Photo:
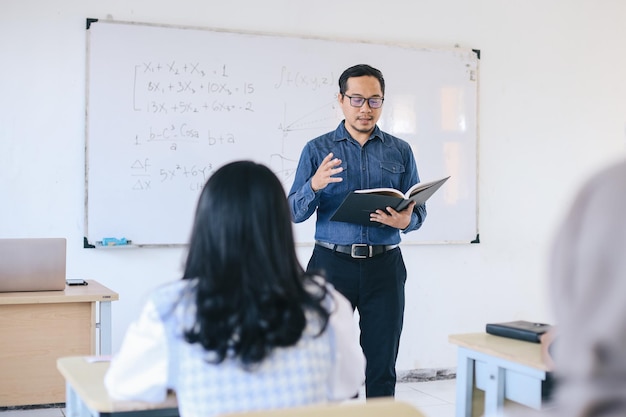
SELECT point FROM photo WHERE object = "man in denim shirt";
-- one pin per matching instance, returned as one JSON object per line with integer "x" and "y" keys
{"x": 363, "y": 262}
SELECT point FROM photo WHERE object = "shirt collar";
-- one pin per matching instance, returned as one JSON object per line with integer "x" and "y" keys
{"x": 342, "y": 133}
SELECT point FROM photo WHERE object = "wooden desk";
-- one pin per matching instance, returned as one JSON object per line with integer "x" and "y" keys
{"x": 86, "y": 395}
{"x": 500, "y": 366}
{"x": 37, "y": 328}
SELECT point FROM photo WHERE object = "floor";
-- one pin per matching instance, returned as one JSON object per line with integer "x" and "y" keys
{"x": 432, "y": 398}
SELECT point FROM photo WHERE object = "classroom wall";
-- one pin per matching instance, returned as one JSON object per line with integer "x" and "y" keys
{"x": 552, "y": 111}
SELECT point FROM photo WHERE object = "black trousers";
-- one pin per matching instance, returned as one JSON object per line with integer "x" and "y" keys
{"x": 375, "y": 287}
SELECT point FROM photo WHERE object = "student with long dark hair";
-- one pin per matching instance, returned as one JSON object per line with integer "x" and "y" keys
{"x": 246, "y": 328}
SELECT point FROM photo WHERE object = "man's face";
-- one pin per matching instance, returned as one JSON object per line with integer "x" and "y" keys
{"x": 361, "y": 120}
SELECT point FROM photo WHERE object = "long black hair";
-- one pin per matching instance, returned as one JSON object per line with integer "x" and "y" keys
{"x": 252, "y": 294}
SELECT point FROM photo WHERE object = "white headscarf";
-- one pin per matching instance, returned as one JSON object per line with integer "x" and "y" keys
{"x": 588, "y": 291}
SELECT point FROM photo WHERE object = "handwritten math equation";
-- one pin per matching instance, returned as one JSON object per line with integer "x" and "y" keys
{"x": 188, "y": 87}
{"x": 173, "y": 92}
{"x": 147, "y": 176}
{"x": 171, "y": 88}
{"x": 175, "y": 134}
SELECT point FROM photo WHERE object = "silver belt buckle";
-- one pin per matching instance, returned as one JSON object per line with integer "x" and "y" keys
{"x": 361, "y": 245}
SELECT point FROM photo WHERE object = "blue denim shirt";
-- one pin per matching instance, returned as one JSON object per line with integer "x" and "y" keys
{"x": 384, "y": 161}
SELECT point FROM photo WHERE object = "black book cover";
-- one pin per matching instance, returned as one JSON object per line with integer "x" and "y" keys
{"x": 358, "y": 205}
{"x": 521, "y": 330}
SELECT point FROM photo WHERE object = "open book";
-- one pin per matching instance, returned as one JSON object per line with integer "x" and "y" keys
{"x": 359, "y": 204}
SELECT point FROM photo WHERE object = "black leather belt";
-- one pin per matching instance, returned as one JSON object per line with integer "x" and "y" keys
{"x": 358, "y": 250}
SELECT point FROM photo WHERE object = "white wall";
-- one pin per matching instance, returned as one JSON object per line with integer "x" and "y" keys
{"x": 552, "y": 111}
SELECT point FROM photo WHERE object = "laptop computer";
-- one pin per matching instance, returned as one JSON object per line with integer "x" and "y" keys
{"x": 32, "y": 264}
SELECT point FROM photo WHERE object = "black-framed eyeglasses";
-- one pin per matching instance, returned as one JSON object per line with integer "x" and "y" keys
{"x": 373, "y": 102}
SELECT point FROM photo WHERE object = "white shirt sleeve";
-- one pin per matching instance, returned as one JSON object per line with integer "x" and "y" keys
{"x": 348, "y": 373}
{"x": 138, "y": 372}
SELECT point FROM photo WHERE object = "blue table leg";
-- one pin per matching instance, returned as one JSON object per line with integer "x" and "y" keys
{"x": 464, "y": 383}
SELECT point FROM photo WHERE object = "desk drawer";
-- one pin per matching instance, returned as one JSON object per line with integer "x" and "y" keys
{"x": 518, "y": 387}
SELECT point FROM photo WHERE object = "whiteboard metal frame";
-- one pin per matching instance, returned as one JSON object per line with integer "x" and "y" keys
{"x": 467, "y": 58}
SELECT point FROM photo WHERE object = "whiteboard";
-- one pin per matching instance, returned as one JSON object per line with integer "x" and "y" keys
{"x": 167, "y": 106}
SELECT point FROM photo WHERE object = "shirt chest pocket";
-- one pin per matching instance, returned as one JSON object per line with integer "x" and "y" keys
{"x": 391, "y": 174}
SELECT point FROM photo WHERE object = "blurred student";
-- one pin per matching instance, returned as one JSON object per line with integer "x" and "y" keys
{"x": 246, "y": 328}
{"x": 588, "y": 290}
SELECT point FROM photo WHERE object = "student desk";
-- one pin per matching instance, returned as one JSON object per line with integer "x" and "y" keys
{"x": 86, "y": 395}
{"x": 500, "y": 366}
{"x": 39, "y": 327}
